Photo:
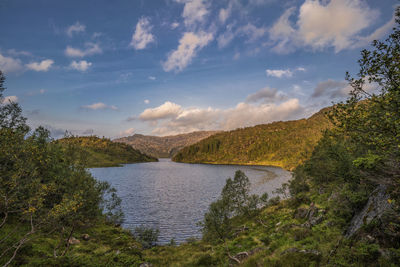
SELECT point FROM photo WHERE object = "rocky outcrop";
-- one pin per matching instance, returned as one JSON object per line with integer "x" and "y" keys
{"x": 376, "y": 206}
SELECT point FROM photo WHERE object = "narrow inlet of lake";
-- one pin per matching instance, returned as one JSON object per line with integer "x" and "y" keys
{"x": 173, "y": 197}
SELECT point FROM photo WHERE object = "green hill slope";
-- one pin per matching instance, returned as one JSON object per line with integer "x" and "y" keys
{"x": 102, "y": 152}
{"x": 283, "y": 144}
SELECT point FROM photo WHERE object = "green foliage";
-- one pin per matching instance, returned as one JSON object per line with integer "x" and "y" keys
{"x": 235, "y": 200}
{"x": 147, "y": 236}
{"x": 283, "y": 144}
{"x": 43, "y": 188}
{"x": 102, "y": 152}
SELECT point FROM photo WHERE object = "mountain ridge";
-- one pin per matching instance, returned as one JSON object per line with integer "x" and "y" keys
{"x": 163, "y": 146}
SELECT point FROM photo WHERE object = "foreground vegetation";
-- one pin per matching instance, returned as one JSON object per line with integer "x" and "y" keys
{"x": 283, "y": 144}
{"x": 102, "y": 152}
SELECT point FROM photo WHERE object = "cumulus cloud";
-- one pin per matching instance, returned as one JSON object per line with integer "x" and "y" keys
{"x": 99, "y": 106}
{"x": 9, "y": 64}
{"x": 91, "y": 49}
{"x": 75, "y": 28}
{"x": 188, "y": 47}
{"x": 146, "y": 101}
{"x": 44, "y": 65}
{"x": 194, "y": 11}
{"x": 9, "y": 99}
{"x": 166, "y": 110}
{"x": 264, "y": 106}
{"x": 127, "y": 132}
{"x": 82, "y": 65}
{"x": 151, "y": 78}
{"x": 142, "y": 35}
{"x": 314, "y": 28}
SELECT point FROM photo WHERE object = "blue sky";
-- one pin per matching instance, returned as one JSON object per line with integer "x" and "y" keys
{"x": 114, "y": 68}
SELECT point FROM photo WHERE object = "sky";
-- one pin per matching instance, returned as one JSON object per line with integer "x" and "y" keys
{"x": 164, "y": 67}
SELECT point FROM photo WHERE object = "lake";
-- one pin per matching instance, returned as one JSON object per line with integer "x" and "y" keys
{"x": 173, "y": 197}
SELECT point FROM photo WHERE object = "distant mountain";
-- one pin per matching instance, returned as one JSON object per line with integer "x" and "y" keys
{"x": 284, "y": 144}
{"x": 166, "y": 146}
{"x": 102, "y": 152}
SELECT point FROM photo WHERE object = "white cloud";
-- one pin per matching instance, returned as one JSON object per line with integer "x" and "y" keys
{"x": 194, "y": 11}
{"x": 264, "y": 106}
{"x": 279, "y": 73}
{"x": 99, "y": 106}
{"x": 8, "y": 99}
{"x": 75, "y": 28}
{"x": 146, "y": 101}
{"x": 9, "y": 64}
{"x": 127, "y": 132}
{"x": 225, "y": 38}
{"x": 142, "y": 35}
{"x": 166, "y": 110}
{"x": 82, "y": 65}
{"x": 189, "y": 45}
{"x": 91, "y": 49}
{"x": 44, "y": 65}
{"x": 340, "y": 89}
{"x": 174, "y": 25}
{"x": 252, "y": 32}
{"x": 322, "y": 24}
{"x": 225, "y": 13}
{"x": 17, "y": 53}
{"x": 151, "y": 78}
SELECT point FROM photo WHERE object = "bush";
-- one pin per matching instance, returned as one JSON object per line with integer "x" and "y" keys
{"x": 147, "y": 236}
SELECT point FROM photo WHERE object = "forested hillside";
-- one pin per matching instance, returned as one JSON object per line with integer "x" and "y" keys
{"x": 283, "y": 144}
{"x": 164, "y": 146}
{"x": 102, "y": 152}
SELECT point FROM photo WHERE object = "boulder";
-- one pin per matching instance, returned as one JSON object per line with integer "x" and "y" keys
{"x": 85, "y": 237}
{"x": 374, "y": 209}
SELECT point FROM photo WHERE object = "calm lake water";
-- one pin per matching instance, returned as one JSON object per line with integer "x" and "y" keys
{"x": 173, "y": 197}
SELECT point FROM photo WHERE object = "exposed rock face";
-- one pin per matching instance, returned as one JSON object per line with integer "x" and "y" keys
{"x": 374, "y": 209}
{"x": 166, "y": 146}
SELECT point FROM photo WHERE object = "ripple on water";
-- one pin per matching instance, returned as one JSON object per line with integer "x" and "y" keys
{"x": 173, "y": 197}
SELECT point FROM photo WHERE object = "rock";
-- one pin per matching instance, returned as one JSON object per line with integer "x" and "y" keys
{"x": 374, "y": 209}
{"x": 145, "y": 264}
{"x": 290, "y": 250}
{"x": 304, "y": 251}
{"x": 117, "y": 252}
{"x": 73, "y": 241}
{"x": 316, "y": 220}
{"x": 85, "y": 237}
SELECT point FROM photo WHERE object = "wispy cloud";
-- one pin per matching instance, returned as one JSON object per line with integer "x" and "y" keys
{"x": 9, "y": 99}
{"x": 75, "y": 28}
{"x": 142, "y": 36}
{"x": 189, "y": 45}
{"x": 91, "y": 49}
{"x": 99, "y": 106}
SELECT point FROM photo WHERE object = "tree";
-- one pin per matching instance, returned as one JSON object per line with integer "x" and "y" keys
{"x": 235, "y": 200}
{"x": 43, "y": 188}
{"x": 372, "y": 119}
